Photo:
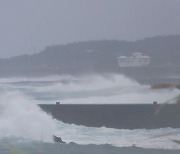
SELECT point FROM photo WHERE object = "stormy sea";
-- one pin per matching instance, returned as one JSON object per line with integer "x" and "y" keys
{"x": 25, "y": 128}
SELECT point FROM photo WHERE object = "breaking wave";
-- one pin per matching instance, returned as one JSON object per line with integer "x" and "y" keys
{"x": 20, "y": 116}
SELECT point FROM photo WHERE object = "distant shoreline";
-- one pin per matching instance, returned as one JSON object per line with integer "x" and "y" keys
{"x": 101, "y": 57}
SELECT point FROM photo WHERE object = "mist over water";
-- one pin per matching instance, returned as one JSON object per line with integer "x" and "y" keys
{"x": 94, "y": 89}
{"x": 20, "y": 117}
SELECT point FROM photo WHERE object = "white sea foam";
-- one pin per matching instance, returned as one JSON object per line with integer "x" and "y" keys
{"x": 94, "y": 89}
{"x": 21, "y": 117}
{"x": 157, "y": 138}
{"x": 112, "y": 89}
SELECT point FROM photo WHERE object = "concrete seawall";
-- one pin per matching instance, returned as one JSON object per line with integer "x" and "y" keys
{"x": 121, "y": 116}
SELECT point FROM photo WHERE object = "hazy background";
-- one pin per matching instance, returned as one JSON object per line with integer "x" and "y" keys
{"x": 28, "y": 26}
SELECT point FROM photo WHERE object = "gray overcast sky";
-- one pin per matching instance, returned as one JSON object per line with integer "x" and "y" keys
{"x": 28, "y": 26}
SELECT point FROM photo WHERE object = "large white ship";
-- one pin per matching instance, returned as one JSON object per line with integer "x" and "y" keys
{"x": 136, "y": 60}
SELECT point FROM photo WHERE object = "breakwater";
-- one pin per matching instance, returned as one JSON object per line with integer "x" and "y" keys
{"x": 121, "y": 116}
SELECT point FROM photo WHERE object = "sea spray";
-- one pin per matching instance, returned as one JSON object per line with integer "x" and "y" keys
{"x": 21, "y": 117}
{"x": 91, "y": 89}
{"x": 96, "y": 89}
